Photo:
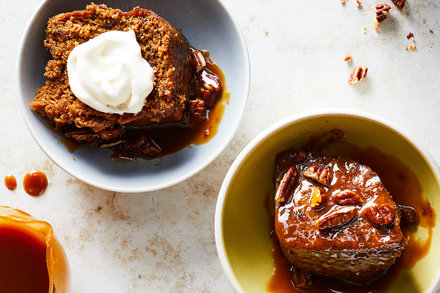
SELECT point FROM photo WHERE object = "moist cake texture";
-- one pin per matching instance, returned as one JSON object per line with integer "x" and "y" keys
{"x": 162, "y": 45}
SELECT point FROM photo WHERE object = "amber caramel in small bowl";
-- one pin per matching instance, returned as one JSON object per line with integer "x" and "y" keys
{"x": 32, "y": 258}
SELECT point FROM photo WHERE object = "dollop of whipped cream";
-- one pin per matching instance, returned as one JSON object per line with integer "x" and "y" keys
{"x": 109, "y": 74}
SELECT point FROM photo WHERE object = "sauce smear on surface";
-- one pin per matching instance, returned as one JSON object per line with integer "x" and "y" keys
{"x": 10, "y": 182}
{"x": 22, "y": 261}
{"x": 405, "y": 188}
{"x": 35, "y": 183}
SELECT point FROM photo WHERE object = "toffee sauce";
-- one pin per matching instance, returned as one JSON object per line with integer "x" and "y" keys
{"x": 10, "y": 182}
{"x": 35, "y": 183}
{"x": 172, "y": 137}
{"x": 23, "y": 265}
{"x": 405, "y": 188}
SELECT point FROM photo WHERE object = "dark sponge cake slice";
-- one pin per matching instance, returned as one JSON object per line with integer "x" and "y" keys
{"x": 334, "y": 217}
{"x": 162, "y": 45}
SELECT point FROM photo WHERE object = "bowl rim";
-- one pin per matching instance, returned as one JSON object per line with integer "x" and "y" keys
{"x": 244, "y": 51}
{"x": 255, "y": 142}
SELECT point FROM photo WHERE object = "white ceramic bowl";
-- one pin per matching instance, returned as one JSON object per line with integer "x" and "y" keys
{"x": 242, "y": 225}
{"x": 207, "y": 25}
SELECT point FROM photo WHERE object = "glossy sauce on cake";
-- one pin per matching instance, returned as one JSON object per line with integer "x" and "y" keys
{"x": 406, "y": 190}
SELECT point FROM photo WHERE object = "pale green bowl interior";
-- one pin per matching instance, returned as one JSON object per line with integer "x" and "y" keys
{"x": 245, "y": 223}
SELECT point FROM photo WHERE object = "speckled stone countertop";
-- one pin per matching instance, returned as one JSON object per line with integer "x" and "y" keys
{"x": 163, "y": 241}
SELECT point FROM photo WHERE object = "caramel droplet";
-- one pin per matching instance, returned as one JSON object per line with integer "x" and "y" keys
{"x": 10, "y": 182}
{"x": 35, "y": 183}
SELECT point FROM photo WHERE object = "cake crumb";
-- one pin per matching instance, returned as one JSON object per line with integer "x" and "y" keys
{"x": 342, "y": 1}
{"x": 358, "y": 3}
{"x": 365, "y": 30}
{"x": 410, "y": 36}
{"x": 266, "y": 33}
{"x": 431, "y": 31}
{"x": 406, "y": 48}
{"x": 348, "y": 57}
{"x": 412, "y": 48}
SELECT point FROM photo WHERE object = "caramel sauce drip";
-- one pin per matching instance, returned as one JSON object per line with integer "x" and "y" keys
{"x": 35, "y": 183}
{"x": 405, "y": 188}
{"x": 10, "y": 182}
{"x": 23, "y": 261}
{"x": 173, "y": 137}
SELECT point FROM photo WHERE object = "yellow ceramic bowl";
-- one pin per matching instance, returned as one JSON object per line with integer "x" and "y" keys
{"x": 241, "y": 220}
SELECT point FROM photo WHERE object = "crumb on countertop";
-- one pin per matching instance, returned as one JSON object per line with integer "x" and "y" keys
{"x": 410, "y": 36}
{"x": 348, "y": 57}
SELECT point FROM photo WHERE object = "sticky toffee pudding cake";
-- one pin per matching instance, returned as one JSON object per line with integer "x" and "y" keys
{"x": 334, "y": 218}
{"x": 184, "y": 88}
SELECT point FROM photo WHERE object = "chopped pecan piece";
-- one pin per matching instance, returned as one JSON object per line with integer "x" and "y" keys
{"x": 110, "y": 144}
{"x": 347, "y": 197}
{"x": 110, "y": 134}
{"x": 82, "y": 135}
{"x": 144, "y": 145}
{"x": 197, "y": 108}
{"x": 199, "y": 59}
{"x": 336, "y": 218}
{"x": 358, "y": 74}
{"x": 408, "y": 215}
{"x": 301, "y": 280}
{"x": 318, "y": 197}
{"x": 286, "y": 185}
{"x": 320, "y": 175}
{"x": 410, "y": 36}
{"x": 379, "y": 215}
{"x": 399, "y": 3}
{"x": 210, "y": 88}
{"x": 382, "y": 10}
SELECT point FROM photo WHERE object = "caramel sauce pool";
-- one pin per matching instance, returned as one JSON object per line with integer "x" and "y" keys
{"x": 35, "y": 183}
{"x": 22, "y": 261}
{"x": 10, "y": 182}
{"x": 174, "y": 137}
{"x": 405, "y": 188}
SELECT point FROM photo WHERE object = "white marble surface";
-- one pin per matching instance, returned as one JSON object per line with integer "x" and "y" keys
{"x": 163, "y": 241}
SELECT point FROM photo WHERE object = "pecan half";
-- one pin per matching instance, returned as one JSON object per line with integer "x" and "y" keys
{"x": 210, "y": 88}
{"x": 382, "y": 10}
{"x": 408, "y": 215}
{"x": 347, "y": 197}
{"x": 358, "y": 74}
{"x": 379, "y": 215}
{"x": 301, "y": 280}
{"x": 399, "y": 3}
{"x": 286, "y": 185}
{"x": 336, "y": 218}
{"x": 320, "y": 175}
{"x": 318, "y": 198}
